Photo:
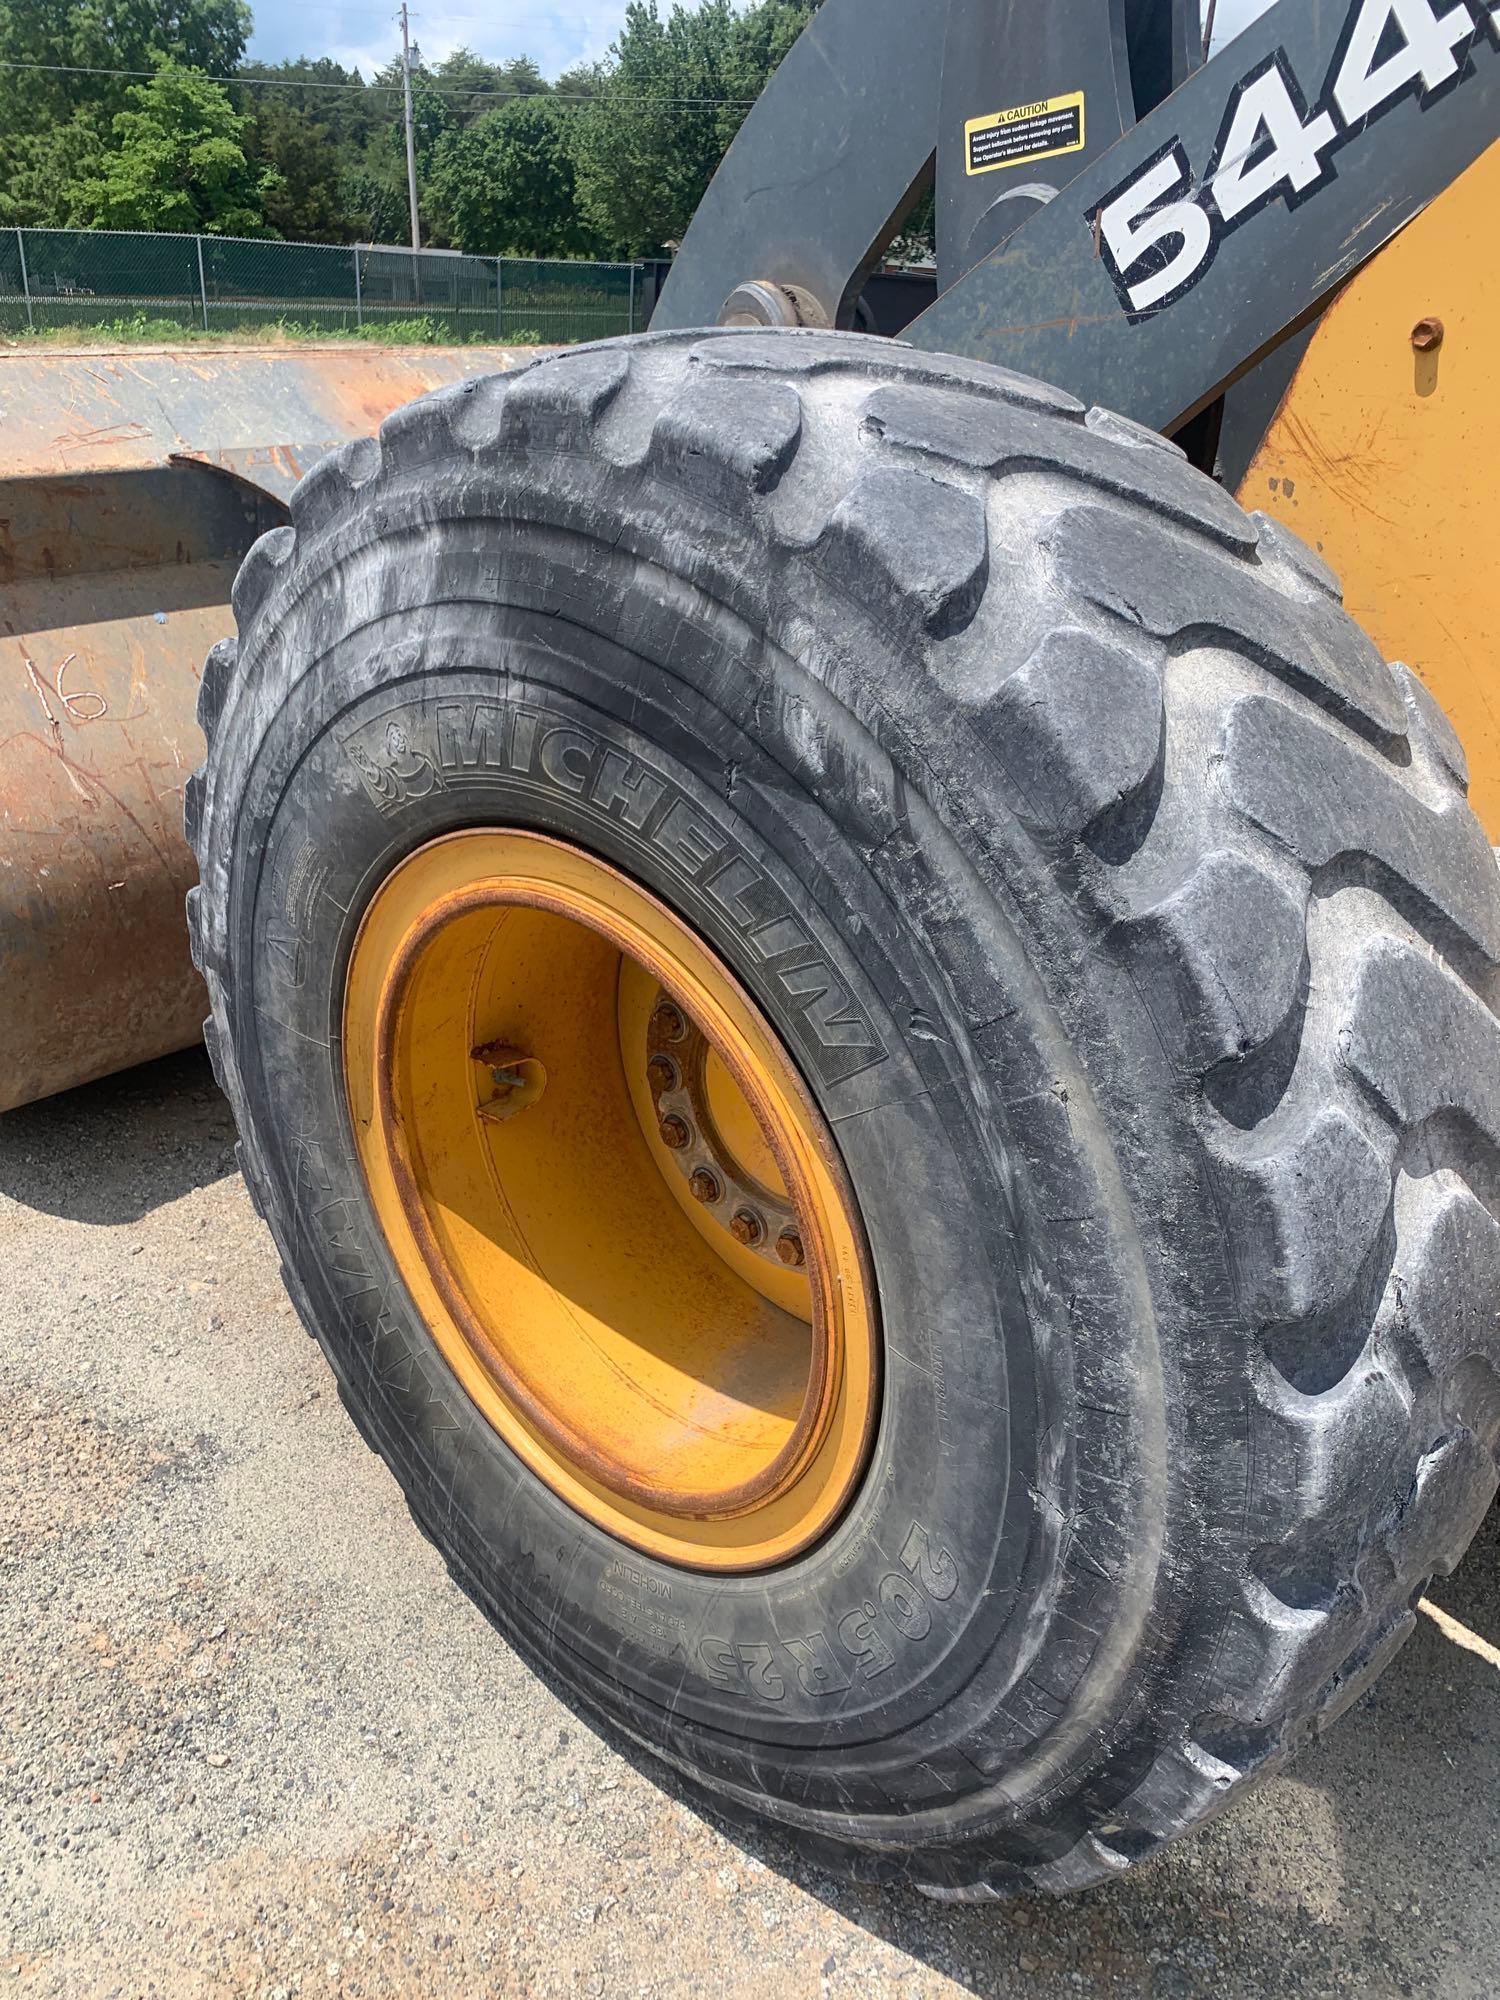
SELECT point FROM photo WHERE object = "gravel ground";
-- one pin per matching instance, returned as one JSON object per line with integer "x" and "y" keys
{"x": 255, "y": 1741}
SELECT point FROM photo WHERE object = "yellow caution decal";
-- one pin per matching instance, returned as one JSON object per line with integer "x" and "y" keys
{"x": 1037, "y": 131}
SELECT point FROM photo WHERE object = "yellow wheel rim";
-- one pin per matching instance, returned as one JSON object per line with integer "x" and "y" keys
{"x": 612, "y": 1200}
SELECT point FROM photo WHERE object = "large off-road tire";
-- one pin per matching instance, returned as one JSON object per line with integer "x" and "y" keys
{"x": 1137, "y": 944}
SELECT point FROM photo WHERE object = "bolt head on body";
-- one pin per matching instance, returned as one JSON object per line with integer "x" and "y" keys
{"x": 789, "y": 1249}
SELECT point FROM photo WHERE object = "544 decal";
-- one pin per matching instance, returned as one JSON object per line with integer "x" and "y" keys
{"x": 1159, "y": 230}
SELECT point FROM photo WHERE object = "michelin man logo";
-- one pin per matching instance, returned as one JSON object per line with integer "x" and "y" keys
{"x": 397, "y": 771}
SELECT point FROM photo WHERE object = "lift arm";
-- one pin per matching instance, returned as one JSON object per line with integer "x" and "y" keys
{"x": 843, "y": 141}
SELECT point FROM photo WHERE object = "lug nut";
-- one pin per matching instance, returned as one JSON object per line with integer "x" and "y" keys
{"x": 662, "y": 1071}
{"x": 669, "y": 1021}
{"x": 1427, "y": 334}
{"x": 746, "y": 1227}
{"x": 674, "y": 1133}
{"x": 789, "y": 1249}
{"x": 703, "y": 1184}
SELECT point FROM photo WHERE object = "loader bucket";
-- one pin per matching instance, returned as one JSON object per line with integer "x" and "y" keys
{"x": 132, "y": 482}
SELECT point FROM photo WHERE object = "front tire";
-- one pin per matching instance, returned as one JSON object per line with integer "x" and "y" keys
{"x": 1123, "y": 915}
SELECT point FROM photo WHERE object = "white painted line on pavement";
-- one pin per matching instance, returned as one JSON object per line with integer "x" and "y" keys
{"x": 1460, "y": 1634}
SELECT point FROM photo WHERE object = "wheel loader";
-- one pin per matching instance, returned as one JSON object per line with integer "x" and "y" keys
{"x": 858, "y": 974}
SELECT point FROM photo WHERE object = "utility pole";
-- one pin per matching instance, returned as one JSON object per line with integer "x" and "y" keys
{"x": 411, "y": 150}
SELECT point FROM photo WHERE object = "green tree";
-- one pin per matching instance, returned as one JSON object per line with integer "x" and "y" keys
{"x": 178, "y": 162}
{"x": 55, "y": 123}
{"x": 612, "y": 159}
{"x": 448, "y": 98}
{"x": 582, "y": 80}
{"x": 312, "y": 137}
{"x": 471, "y": 86}
{"x": 38, "y": 170}
{"x": 373, "y": 198}
{"x": 671, "y": 99}
{"x": 763, "y": 34}
{"x": 647, "y": 144}
{"x": 505, "y": 184}
{"x": 304, "y": 203}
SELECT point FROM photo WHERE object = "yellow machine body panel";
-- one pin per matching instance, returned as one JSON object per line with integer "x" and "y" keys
{"x": 1385, "y": 456}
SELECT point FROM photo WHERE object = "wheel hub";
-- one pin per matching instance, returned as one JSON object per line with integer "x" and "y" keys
{"x": 721, "y": 1154}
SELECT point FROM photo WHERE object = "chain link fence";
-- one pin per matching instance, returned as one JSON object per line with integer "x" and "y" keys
{"x": 57, "y": 278}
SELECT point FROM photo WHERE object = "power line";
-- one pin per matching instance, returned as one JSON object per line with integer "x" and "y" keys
{"x": 435, "y": 89}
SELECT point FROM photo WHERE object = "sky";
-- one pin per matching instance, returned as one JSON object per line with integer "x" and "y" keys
{"x": 556, "y": 33}
{"x": 364, "y": 33}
